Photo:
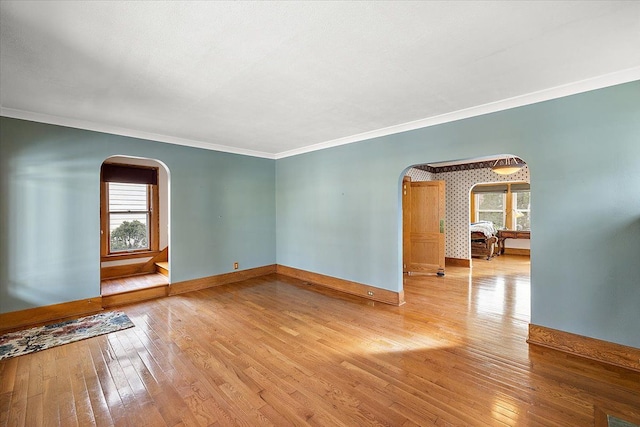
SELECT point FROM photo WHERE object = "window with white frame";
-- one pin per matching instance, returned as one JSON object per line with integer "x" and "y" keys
{"x": 129, "y": 215}
{"x": 507, "y": 206}
{"x": 521, "y": 204}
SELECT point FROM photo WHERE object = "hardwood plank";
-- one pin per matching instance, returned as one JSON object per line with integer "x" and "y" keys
{"x": 50, "y": 404}
{"x": 273, "y": 350}
{"x": 78, "y": 387}
{"x": 105, "y": 381}
{"x": 8, "y": 371}
{"x": 99, "y": 404}
{"x": 5, "y": 404}
{"x": 18, "y": 404}
{"x": 63, "y": 390}
{"x": 34, "y": 412}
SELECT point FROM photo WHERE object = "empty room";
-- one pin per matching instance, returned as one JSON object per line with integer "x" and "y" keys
{"x": 320, "y": 213}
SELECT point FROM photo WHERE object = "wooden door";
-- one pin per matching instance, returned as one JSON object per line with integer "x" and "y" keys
{"x": 424, "y": 251}
{"x": 406, "y": 222}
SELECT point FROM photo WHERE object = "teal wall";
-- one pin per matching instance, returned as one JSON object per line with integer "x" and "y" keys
{"x": 338, "y": 210}
{"x": 222, "y": 210}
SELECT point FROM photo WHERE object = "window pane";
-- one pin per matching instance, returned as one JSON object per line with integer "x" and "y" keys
{"x": 497, "y": 218}
{"x": 491, "y": 201}
{"x": 522, "y": 210}
{"x": 127, "y": 197}
{"x": 524, "y": 222}
{"x": 128, "y": 229}
{"x": 128, "y": 232}
{"x": 522, "y": 200}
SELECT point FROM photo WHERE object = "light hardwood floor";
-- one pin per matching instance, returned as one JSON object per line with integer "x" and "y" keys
{"x": 277, "y": 351}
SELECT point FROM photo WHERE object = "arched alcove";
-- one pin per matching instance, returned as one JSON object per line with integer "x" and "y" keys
{"x": 134, "y": 224}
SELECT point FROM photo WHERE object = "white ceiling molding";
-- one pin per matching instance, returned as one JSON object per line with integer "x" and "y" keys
{"x": 625, "y": 76}
{"x": 114, "y": 130}
{"x": 612, "y": 79}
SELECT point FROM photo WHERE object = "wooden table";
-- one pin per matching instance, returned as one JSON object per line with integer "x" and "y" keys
{"x": 510, "y": 234}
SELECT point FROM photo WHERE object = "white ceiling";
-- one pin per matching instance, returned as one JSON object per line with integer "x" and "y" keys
{"x": 274, "y": 79}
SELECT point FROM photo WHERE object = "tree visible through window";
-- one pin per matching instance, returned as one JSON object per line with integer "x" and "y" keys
{"x": 491, "y": 207}
{"x": 129, "y": 211}
{"x": 522, "y": 210}
{"x": 505, "y": 205}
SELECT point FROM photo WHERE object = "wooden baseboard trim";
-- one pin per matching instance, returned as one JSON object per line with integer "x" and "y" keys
{"x": 590, "y": 348}
{"x": 220, "y": 279}
{"x": 34, "y": 316}
{"x": 517, "y": 251}
{"x": 347, "y": 286}
{"x": 130, "y": 297}
{"x": 457, "y": 262}
{"x": 39, "y": 315}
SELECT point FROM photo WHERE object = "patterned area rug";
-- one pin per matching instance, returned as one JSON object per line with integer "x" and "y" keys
{"x": 42, "y": 337}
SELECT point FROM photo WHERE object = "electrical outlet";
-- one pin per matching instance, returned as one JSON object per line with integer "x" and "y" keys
{"x": 235, "y": 265}
{"x": 370, "y": 293}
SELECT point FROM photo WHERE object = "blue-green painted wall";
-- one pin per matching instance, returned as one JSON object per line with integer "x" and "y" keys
{"x": 338, "y": 210}
{"x": 222, "y": 210}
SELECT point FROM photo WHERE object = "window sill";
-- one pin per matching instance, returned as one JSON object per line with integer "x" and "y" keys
{"x": 129, "y": 255}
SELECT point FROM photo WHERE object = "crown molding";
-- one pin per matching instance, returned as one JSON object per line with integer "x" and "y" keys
{"x": 613, "y": 79}
{"x": 115, "y": 130}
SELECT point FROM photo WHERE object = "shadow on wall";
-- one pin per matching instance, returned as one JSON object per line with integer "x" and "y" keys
{"x": 43, "y": 262}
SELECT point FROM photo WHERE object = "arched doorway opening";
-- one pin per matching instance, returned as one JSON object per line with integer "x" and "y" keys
{"x": 134, "y": 228}
{"x": 504, "y": 268}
